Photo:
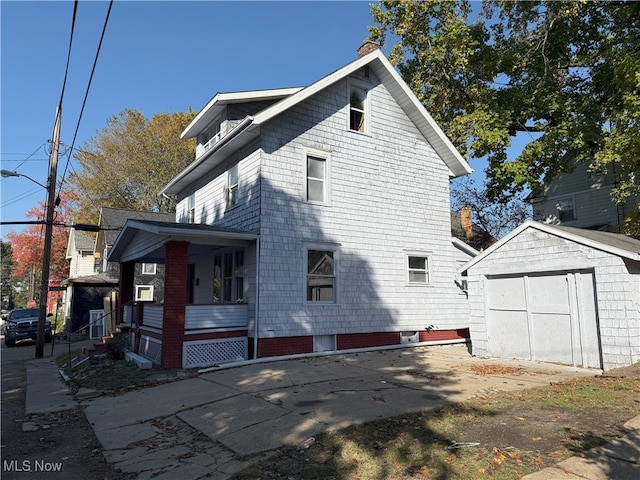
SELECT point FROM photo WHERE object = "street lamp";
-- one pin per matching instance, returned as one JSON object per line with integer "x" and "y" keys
{"x": 9, "y": 173}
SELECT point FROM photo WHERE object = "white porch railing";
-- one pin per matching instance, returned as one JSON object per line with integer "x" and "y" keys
{"x": 205, "y": 317}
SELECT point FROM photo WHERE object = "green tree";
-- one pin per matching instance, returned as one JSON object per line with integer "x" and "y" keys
{"x": 566, "y": 73}
{"x": 6, "y": 268}
{"x": 127, "y": 163}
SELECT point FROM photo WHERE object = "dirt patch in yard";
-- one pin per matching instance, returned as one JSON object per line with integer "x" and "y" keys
{"x": 498, "y": 436}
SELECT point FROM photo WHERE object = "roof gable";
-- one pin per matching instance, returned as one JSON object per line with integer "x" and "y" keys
{"x": 249, "y": 128}
{"x": 614, "y": 243}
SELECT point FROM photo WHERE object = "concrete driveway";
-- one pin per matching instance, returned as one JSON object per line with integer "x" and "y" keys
{"x": 166, "y": 431}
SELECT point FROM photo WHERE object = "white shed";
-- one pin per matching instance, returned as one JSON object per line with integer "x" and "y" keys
{"x": 557, "y": 294}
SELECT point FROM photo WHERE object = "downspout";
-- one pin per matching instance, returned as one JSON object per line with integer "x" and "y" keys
{"x": 257, "y": 311}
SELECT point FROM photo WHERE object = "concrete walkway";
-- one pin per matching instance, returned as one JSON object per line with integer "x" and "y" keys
{"x": 217, "y": 423}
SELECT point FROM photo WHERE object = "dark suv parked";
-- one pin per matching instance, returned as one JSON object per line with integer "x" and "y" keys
{"x": 22, "y": 323}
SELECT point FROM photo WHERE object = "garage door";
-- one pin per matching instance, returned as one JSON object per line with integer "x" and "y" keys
{"x": 548, "y": 317}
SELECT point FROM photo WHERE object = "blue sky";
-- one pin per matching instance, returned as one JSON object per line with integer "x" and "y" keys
{"x": 156, "y": 57}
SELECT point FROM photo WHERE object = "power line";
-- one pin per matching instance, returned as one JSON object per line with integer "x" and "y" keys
{"x": 84, "y": 102}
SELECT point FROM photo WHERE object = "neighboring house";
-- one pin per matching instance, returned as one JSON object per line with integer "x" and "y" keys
{"x": 557, "y": 294}
{"x": 463, "y": 228}
{"x": 581, "y": 199}
{"x": 149, "y": 276}
{"x": 87, "y": 292}
{"x": 312, "y": 219}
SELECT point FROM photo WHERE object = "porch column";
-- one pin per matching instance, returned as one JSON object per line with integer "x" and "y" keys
{"x": 126, "y": 287}
{"x": 175, "y": 301}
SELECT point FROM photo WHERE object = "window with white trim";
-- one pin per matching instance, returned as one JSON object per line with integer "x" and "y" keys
{"x": 148, "y": 269}
{"x": 144, "y": 293}
{"x": 418, "y": 269}
{"x": 232, "y": 186}
{"x": 357, "y": 109}
{"x": 566, "y": 211}
{"x": 316, "y": 179}
{"x": 320, "y": 275}
{"x": 228, "y": 277}
{"x": 191, "y": 208}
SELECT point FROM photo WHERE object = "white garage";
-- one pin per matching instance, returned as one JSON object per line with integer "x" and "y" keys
{"x": 557, "y": 294}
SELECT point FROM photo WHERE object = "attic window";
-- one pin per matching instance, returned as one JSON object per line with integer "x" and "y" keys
{"x": 366, "y": 71}
{"x": 357, "y": 109}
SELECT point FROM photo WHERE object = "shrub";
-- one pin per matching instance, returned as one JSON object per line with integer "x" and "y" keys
{"x": 116, "y": 346}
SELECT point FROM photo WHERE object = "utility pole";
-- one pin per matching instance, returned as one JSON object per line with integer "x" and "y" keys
{"x": 48, "y": 236}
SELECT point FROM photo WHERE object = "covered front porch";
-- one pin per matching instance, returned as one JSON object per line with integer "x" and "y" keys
{"x": 210, "y": 292}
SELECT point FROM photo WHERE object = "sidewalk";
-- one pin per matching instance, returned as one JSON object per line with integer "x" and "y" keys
{"x": 219, "y": 422}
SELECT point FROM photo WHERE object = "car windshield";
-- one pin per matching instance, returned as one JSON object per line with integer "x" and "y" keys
{"x": 26, "y": 313}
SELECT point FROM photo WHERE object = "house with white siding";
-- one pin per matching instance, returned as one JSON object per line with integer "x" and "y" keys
{"x": 312, "y": 219}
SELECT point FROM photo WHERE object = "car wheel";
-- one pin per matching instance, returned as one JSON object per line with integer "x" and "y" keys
{"x": 47, "y": 338}
{"x": 9, "y": 343}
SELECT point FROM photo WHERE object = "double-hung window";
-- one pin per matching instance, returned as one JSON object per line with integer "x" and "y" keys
{"x": 566, "y": 211}
{"x": 232, "y": 186}
{"x": 321, "y": 275}
{"x": 316, "y": 179}
{"x": 357, "y": 109}
{"x": 418, "y": 269}
{"x": 191, "y": 208}
{"x": 228, "y": 277}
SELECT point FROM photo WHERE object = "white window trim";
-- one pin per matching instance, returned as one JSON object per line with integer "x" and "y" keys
{"x": 326, "y": 156}
{"x": 427, "y": 256}
{"x": 229, "y": 186}
{"x": 154, "y": 269}
{"x": 329, "y": 247}
{"x": 352, "y": 83}
{"x": 144, "y": 287}
{"x": 191, "y": 208}
{"x": 573, "y": 207}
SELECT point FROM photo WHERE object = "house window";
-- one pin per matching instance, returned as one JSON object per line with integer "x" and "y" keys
{"x": 566, "y": 211}
{"x": 357, "y": 109}
{"x": 228, "y": 277}
{"x": 191, "y": 209}
{"x": 321, "y": 276}
{"x": 148, "y": 269}
{"x": 144, "y": 293}
{"x": 418, "y": 269}
{"x": 232, "y": 186}
{"x": 316, "y": 179}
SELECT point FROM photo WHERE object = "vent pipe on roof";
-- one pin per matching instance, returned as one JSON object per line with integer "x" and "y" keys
{"x": 367, "y": 47}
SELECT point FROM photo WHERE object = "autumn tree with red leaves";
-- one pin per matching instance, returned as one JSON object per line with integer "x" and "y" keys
{"x": 27, "y": 247}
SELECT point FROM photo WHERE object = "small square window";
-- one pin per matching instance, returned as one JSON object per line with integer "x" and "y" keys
{"x": 566, "y": 211}
{"x": 148, "y": 269}
{"x": 418, "y": 270}
{"x": 144, "y": 293}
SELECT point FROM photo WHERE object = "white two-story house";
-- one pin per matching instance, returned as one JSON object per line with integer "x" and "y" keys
{"x": 312, "y": 219}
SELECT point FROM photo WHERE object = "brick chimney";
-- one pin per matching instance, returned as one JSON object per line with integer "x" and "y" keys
{"x": 465, "y": 222}
{"x": 367, "y": 47}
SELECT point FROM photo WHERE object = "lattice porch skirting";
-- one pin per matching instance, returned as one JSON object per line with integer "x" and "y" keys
{"x": 206, "y": 353}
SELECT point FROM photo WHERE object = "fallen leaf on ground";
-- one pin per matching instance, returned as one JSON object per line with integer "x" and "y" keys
{"x": 536, "y": 439}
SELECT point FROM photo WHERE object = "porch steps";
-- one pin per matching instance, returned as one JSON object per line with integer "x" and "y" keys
{"x": 142, "y": 362}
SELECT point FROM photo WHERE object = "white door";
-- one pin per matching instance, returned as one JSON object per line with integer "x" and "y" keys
{"x": 96, "y": 323}
{"x": 548, "y": 317}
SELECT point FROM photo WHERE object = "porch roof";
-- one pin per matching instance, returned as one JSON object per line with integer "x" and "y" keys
{"x": 143, "y": 241}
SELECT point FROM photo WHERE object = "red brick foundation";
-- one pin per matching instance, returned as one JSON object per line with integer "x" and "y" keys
{"x": 274, "y": 347}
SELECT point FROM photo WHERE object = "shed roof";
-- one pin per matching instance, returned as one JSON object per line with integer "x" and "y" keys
{"x": 614, "y": 243}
